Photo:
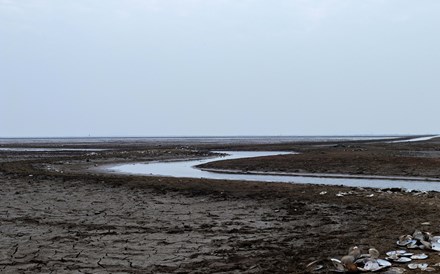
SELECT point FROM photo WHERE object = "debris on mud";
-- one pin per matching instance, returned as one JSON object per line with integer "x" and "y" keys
{"x": 420, "y": 240}
{"x": 356, "y": 261}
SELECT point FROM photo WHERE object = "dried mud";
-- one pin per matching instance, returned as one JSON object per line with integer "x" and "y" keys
{"x": 58, "y": 215}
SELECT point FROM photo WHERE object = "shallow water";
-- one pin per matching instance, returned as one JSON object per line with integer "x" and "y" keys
{"x": 186, "y": 169}
{"x": 32, "y": 149}
{"x": 420, "y": 139}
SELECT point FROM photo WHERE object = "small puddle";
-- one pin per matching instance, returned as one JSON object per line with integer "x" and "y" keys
{"x": 186, "y": 169}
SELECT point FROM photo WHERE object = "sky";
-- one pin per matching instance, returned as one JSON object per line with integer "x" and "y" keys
{"x": 218, "y": 67}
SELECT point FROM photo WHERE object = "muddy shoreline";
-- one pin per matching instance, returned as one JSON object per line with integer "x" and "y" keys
{"x": 58, "y": 215}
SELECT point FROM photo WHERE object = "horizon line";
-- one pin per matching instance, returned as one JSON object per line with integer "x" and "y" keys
{"x": 213, "y": 136}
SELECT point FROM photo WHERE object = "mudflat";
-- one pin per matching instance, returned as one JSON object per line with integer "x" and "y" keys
{"x": 59, "y": 214}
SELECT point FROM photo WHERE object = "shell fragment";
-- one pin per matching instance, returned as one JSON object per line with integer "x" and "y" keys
{"x": 403, "y": 260}
{"x": 435, "y": 246}
{"x": 421, "y": 256}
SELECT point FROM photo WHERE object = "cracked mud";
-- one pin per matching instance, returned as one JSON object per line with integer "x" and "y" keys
{"x": 79, "y": 222}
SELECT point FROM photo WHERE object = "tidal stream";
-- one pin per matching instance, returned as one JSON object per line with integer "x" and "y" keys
{"x": 188, "y": 169}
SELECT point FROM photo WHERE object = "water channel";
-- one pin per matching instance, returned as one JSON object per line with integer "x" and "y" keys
{"x": 187, "y": 169}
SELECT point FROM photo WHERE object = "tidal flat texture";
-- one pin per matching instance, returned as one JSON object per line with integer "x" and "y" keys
{"x": 58, "y": 215}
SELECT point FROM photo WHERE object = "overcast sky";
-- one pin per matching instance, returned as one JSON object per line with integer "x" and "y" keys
{"x": 219, "y": 67}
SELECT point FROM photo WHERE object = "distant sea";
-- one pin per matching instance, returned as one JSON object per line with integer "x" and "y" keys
{"x": 199, "y": 139}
